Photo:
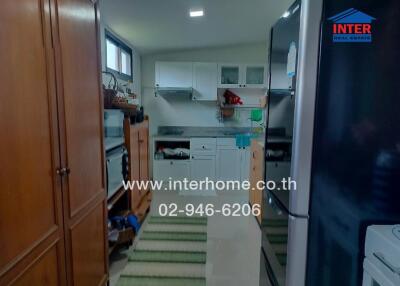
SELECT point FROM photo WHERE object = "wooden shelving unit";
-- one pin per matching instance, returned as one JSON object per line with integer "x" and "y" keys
{"x": 136, "y": 202}
{"x": 115, "y": 198}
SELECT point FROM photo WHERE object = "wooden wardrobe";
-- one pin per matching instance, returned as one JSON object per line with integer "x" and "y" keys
{"x": 52, "y": 187}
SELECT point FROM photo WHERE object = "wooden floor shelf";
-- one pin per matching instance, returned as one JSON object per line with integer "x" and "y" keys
{"x": 115, "y": 198}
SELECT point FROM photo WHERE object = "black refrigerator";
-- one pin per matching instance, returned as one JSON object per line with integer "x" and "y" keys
{"x": 345, "y": 154}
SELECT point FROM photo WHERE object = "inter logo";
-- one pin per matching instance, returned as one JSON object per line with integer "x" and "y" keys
{"x": 352, "y": 26}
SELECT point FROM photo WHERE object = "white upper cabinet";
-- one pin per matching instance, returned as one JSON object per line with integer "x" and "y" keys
{"x": 205, "y": 77}
{"x": 241, "y": 75}
{"x": 174, "y": 74}
{"x": 254, "y": 75}
{"x": 229, "y": 75}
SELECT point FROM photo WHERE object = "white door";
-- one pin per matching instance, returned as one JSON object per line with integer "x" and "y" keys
{"x": 202, "y": 167}
{"x": 228, "y": 163}
{"x": 229, "y": 75}
{"x": 174, "y": 74}
{"x": 205, "y": 79}
{"x": 254, "y": 75}
{"x": 244, "y": 164}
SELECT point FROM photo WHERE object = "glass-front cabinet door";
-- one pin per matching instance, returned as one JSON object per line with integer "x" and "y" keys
{"x": 229, "y": 75}
{"x": 254, "y": 75}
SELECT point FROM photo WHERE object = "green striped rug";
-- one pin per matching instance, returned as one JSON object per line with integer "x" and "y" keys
{"x": 157, "y": 281}
{"x": 177, "y": 220}
{"x": 171, "y": 251}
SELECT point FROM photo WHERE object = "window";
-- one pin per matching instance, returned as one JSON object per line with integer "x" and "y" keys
{"x": 119, "y": 58}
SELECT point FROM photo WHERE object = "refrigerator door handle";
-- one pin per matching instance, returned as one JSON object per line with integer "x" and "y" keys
{"x": 391, "y": 267}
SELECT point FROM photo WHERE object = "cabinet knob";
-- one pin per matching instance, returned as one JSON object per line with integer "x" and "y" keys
{"x": 171, "y": 163}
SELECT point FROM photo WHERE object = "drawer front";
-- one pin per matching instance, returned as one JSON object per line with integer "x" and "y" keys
{"x": 207, "y": 145}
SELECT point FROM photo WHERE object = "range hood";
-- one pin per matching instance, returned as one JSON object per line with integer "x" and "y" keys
{"x": 174, "y": 91}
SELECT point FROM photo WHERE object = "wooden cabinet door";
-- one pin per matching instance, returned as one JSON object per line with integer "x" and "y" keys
{"x": 81, "y": 113}
{"x": 134, "y": 164}
{"x": 256, "y": 174}
{"x": 31, "y": 227}
{"x": 144, "y": 153}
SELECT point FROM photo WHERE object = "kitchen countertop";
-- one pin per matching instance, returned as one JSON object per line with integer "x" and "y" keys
{"x": 277, "y": 135}
{"x": 190, "y": 132}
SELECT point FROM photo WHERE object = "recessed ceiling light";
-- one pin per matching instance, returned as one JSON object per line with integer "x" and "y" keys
{"x": 286, "y": 14}
{"x": 196, "y": 13}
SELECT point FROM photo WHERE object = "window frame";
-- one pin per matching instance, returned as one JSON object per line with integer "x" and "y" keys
{"x": 121, "y": 47}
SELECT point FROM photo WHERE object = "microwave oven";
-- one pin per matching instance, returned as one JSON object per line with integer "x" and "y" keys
{"x": 116, "y": 169}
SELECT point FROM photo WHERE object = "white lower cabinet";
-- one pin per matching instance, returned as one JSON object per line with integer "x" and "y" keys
{"x": 175, "y": 169}
{"x": 245, "y": 164}
{"x": 228, "y": 163}
{"x": 233, "y": 163}
{"x": 217, "y": 159}
{"x": 202, "y": 167}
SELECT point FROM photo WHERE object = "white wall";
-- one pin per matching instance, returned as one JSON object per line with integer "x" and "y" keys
{"x": 184, "y": 112}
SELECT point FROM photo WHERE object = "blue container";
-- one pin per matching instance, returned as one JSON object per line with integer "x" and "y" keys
{"x": 133, "y": 221}
{"x": 243, "y": 140}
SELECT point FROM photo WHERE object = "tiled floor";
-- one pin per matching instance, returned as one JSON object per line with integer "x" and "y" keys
{"x": 233, "y": 243}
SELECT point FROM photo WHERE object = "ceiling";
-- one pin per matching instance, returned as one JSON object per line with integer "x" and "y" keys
{"x": 163, "y": 25}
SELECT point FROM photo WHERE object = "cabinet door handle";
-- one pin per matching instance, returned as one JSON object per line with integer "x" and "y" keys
{"x": 171, "y": 163}
{"x": 63, "y": 171}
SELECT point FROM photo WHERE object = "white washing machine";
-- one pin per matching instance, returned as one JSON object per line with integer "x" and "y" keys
{"x": 382, "y": 256}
